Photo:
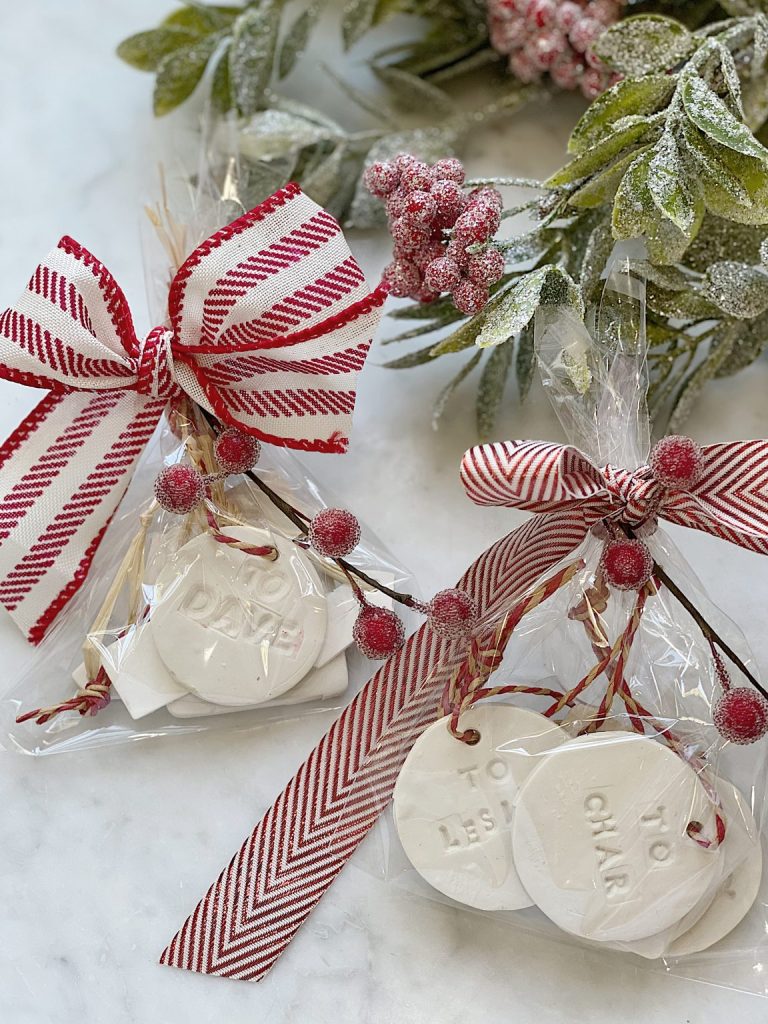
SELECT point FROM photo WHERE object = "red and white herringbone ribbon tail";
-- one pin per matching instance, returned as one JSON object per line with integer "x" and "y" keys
{"x": 64, "y": 470}
{"x": 252, "y": 911}
{"x": 272, "y": 322}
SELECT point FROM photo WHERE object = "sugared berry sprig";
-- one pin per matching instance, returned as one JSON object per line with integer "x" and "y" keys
{"x": 554, "y": 37}
{"x": 442, "y": 232}
{"x": 332, "y": 533}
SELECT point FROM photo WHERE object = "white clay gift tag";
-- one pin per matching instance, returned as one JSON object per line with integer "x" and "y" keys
{"x": 454, "y": 802}
{"x": 600, "y": 842}
{"x": 319, "y": 684}
{"x": 742, "y": 872}
{"x": 237, "y": 629}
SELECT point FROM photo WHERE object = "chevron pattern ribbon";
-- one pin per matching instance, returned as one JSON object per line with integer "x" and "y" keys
{"x": 250, "y": 914}
{"x": 269, "y": 323}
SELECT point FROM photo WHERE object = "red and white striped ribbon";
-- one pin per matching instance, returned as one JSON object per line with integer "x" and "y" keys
{"x": 270, "y": 321}
{"x": 255, "y": 907}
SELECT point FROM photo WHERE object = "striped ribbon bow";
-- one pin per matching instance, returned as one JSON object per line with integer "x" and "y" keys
{"x": 269, "y": 322}
{"x": 729, "y": 499}
{"x": 267, "y": 890}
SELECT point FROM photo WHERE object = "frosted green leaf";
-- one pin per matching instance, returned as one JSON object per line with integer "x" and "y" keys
{"x": 739, "y": 290}
{"x": 578, "y": 372}
{"x": 709, "y": 113}
{"x": 601, "y": 188}
{"x": 730, "y": 78}
{"x": 753, "y": 175}
{"x": 252, "y": 54}
{"x": 710, "y": 167}
{"x": 493, "y": 381}
{"x": 749, "y": 345}
{"x": 596, "y": 252}
{"x": 645, "y": 43}
{"x": 466, "y": 335}
{"x": 629, "y": 97}
{"x": 221, "y": 85}
{"x": 680, "y": 305}
{"x": 180, "y": 72}
{"x": 271, "y": 133}
{"x": 444, "y": 396}
{"x": 720, "y": 351}
{"x": 417, "y": 358}
{"x": 764, "y": 251}
{"x": 325, "y": 182}
{"x": 145, "y": 50}
{"x": 357, "y": 18}
{"x": 720, "y": 239}
{"x": 296, "y": 39}
{"x": 630, "y": 133}
{"x": 516, "y": 307}
{"x": 203, "y": 19}
{"x": 669, "y": 278}
{"x": 525, "y": 362}
{"x": 413, "y": 93}
{"x": 677, "y": 198}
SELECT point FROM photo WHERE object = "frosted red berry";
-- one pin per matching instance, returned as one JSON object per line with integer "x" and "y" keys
{"x": 486, "y": 267}
{"x": 540, "y": 13}
{"x": 431, "y": 252}
{"x": 395, "y": 204}
{"x": 179, "y": 488}
{"x": 416, "y": 175}
{"x": 592, "y": 83}
{"x": 584, "y": 33}
{"x": 420, "y": 207}
{"x": 627, "y": 564}
{"x": 401, "y": 278}
{"x": 378, "y": 632}
{"x": 235, "y": 451}
{"x": 449, "y": 202}
{"x": 334, "y": 532}
{"x": 407, "y": 232}
{"x": 443, "y": 274}
{"x": 741, "y": 715}
{"x": 677, "y": 461}
{"x": 469, "y": 298}
{"x": 568, "y": 13}
{"x": 450, "y": 169}
{"x": 452, "y": 613}
{"x": 381, "y": 178}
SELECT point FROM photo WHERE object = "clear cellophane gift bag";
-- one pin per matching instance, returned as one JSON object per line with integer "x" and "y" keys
{"x": 220, "y": 616}
{"x": 580, "y": 769}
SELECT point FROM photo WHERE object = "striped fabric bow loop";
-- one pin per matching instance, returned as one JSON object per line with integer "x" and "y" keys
{"x": 269, "y": 323}
{"x": 729, "y": 499}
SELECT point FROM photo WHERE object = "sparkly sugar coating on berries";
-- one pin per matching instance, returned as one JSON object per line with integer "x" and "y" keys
{"x": 555, "y": 37}
{"x": 627, "y": 564}
{"x": 677, "y": 461}
{"x": 334, "y": 532}
{"x": 442, "y": 235}
{"x": 452, "y": 613}
{"x": 235, "y": 451}
{"x": 378, "y": 632}
{"x": 179, "y": 489}
{"x": 741, "y": 715}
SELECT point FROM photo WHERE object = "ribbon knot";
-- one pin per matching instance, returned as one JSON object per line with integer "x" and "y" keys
{"x": 636, "y": 493}
{"x": 270, "y": 321}
{"x": 729, "y": 499}
{"x": 154, "y": 372}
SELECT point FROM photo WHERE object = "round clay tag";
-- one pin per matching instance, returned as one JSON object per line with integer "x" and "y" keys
{"x": 234, "y": 628}
{"x": 600, "y": 841}
{"x": 742, "y": 871}
{"x": 454, "y": 803}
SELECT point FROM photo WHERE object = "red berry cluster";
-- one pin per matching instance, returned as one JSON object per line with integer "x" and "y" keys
{"x": 627, "y": 564}
{"x": 379, "y": 632}
{"x": 441, "y": 233}
{"x": 555, "y": 37}
{"x": 181, "y": 488}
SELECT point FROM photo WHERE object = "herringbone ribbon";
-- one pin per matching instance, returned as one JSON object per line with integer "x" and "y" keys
{"x": 269, "y": 322}
{"x": 255, "y": 907}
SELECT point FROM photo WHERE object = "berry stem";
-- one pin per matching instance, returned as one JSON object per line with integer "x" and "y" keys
{"x": 301, "y": 520}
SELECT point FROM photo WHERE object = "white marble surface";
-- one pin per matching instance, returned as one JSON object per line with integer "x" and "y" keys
{"x": 103, "y": 854}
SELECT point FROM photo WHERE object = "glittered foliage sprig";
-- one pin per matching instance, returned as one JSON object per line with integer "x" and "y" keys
{"x": 672, "y": 153}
